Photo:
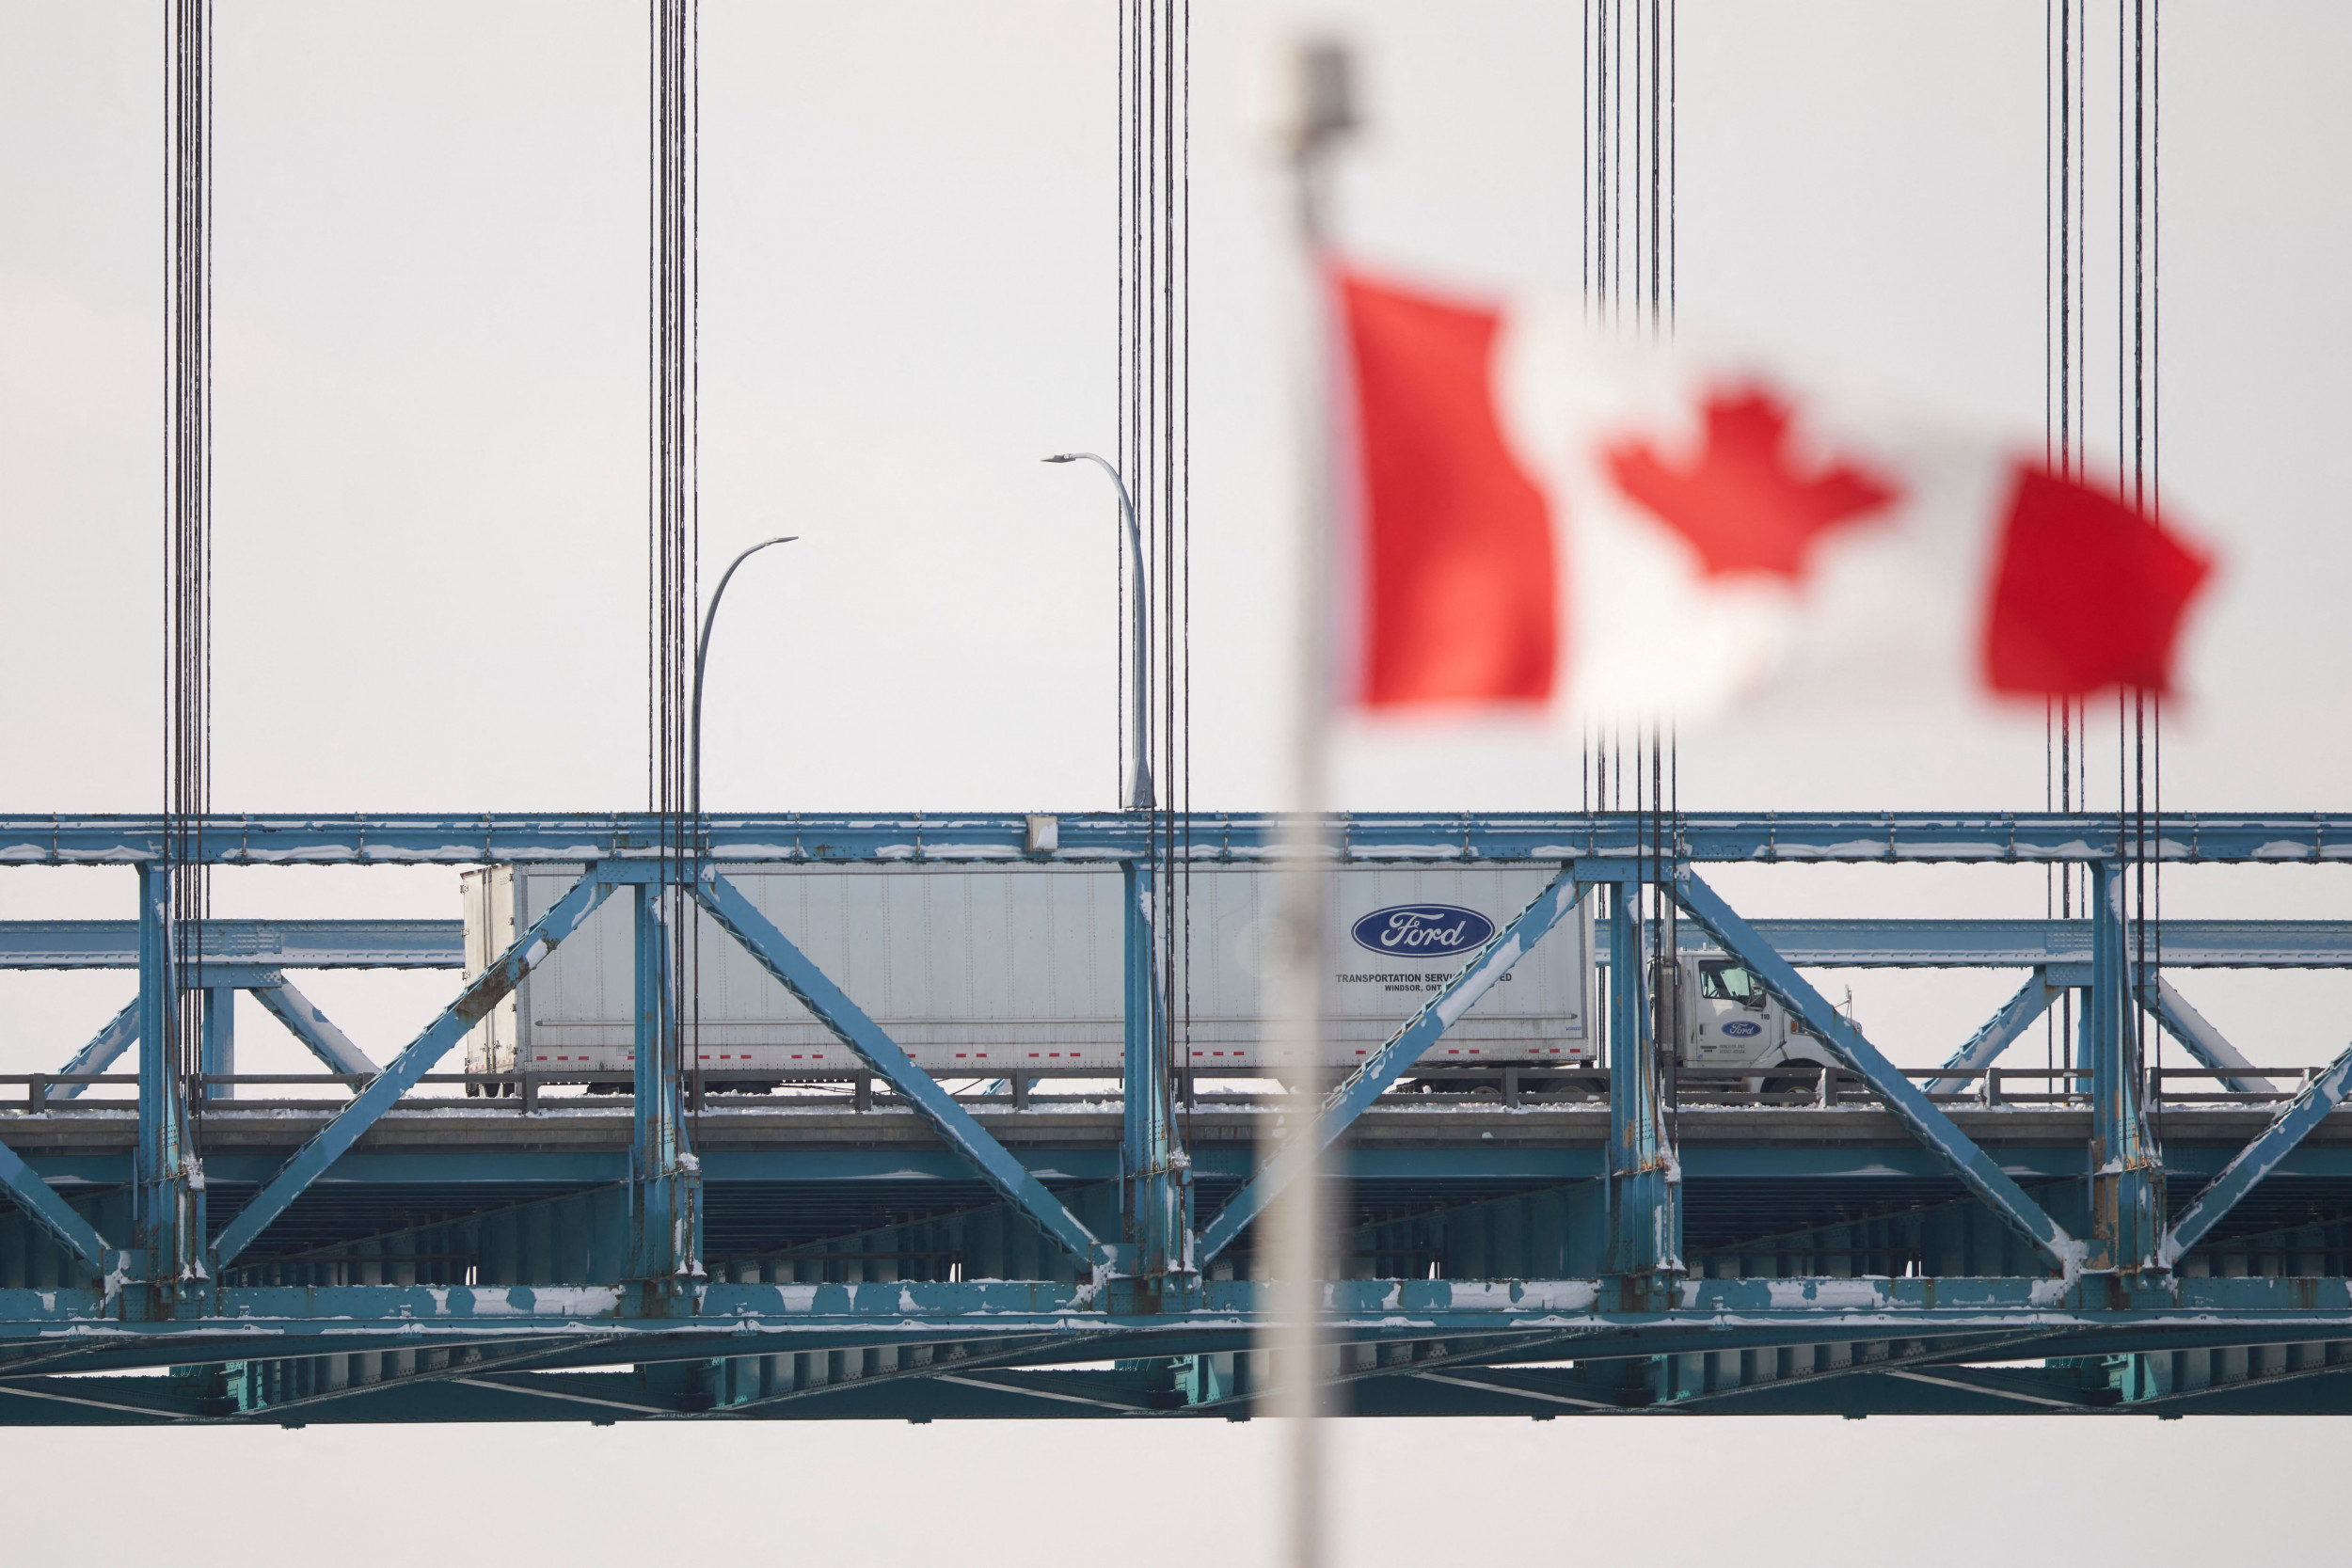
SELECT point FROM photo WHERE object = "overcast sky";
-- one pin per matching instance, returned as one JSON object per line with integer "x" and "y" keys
{"x": 429, "y": 524}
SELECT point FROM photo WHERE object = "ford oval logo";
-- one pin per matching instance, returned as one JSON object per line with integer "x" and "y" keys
{"x": 1743, "y": 1028}
{"x": 1422, "y": 931}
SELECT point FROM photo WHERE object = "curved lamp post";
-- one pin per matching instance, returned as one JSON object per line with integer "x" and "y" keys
{"x": 1139, "y": 787}
{"x": 702, "y": 655}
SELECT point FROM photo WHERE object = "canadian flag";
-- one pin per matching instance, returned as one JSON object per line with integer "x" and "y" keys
{"x": 1595, "y": 524}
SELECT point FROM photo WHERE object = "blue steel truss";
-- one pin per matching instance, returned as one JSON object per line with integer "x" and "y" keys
{"x": 1602, "y": 1240}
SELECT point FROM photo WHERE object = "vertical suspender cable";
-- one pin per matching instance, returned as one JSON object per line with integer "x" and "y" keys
{"x": 1182, "y": 776}
{"x": 1119, "y": 388}
{"x": 673, "y": 532}
{"x": 1601, "y": 119}
{"x": 1640, "y": 207}
{"x": 1153, "y": 443}
{"x": 1657, "y": 173}
{"x": 2155, "y": 274}
{"x": 187, "y": 753}
{"x": 1616, "y": 202}
{"x": 2049, "y": 720}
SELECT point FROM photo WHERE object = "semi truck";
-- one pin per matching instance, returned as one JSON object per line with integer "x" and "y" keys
{"x": 1723, "y": 1017}
{"x": 993, "y": 972}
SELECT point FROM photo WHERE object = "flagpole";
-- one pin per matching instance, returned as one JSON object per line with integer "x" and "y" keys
{"x": 1318, "y": 112}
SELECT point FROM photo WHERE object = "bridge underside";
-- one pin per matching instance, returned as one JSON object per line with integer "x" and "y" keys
{"x": 466, "y": 1263}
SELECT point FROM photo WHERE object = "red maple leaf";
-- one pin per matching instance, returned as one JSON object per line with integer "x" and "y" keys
{"x": 1742, "y": 502}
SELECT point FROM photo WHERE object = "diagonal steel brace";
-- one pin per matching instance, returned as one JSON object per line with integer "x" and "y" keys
{"x": 44, "y": 1207}
{"x": 306, "y": 1023}
{"x": 1350, "y": 1099}
{"x": 351, "y": 1124}
{"x": 1999, "y": 1033}
{"x": 1911, "y": 1106}
{"x": 120, "y": 1033}
{"x": 2292, "y": 1124}
{"x": 814, "y": 990}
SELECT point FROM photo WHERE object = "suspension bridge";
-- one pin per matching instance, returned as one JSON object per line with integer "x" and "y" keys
{"x": 439, "y": 1236}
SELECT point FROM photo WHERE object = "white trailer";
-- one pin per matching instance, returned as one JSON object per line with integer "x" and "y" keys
{"x": 989, "y": 971}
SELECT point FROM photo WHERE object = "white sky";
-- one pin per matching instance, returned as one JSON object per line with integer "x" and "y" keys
{"x": 429, "y": 525}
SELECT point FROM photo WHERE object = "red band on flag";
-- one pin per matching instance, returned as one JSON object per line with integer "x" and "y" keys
{"x": 2089, "y": 592}
{"x": 1460, "y": 574}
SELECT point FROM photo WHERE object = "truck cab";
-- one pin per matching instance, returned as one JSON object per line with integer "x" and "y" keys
{"x": 1725, "y": 1019}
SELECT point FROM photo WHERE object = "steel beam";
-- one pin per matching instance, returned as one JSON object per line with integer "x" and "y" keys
{"x": 1999, "y": 1033}
{"x": 485, "y": 991}
{"x": 1824, "y": 943}
{"x": 304, "y": 1019}
{"x": 279, "y": 944}
{"x": 2018, "y": 1385}
{"x": 166, "y": 1184}
{"x": 665, "y": 1186}
{"x": 1549, "y": 1388}
{"x": 2126, "y": 1169}
{"x": 1644, "y": 1179}
{"x": 610, "y": 1397}
{"x": 105, "y": 1047}
{"x": 2041, "y": 838}
{"x": 1355, "y": 1094}
{"x": 217, "y": 1056}
{"x": 2203, "y": 1042}
{"x": 2258, "y": 1159}
{"x": 1929, "y": 943}
{"x": 602, "y": 1324}
{"x": 1909, "y": 1105}
{"x": 814, "y": 990}
{"x": 1155, "y": 1172}
{"x": 44, "y": 1207}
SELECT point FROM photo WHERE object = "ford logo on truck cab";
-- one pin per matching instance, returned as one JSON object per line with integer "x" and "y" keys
{"x": 1421, "y": 931}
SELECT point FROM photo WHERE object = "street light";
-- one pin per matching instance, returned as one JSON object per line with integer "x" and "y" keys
{"x": 1139, "y": 788}
{"x": 702, "y": 654}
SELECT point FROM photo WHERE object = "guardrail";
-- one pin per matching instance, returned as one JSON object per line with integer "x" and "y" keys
{"x": 1793, "y": 1085}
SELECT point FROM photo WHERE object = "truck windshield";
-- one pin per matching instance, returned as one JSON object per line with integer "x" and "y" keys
{"x": 1729, "y": 982}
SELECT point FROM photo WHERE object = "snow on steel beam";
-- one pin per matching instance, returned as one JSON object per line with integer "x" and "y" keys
{"x": 2241, "y": 1175}
{"x": 2205, "y": 1042}
{"x": 252, "y": 1321}
{"x": 44, "y": 1207}
{"x": 104, "y": 1048}
{"x": 1213, "y": 837}
{"x": 1371, "y": 1080}
{"x": 1999, "y": 1033}
{"x": 1910, "y": 1105}
{"x": 814, "y": 990}
{"x": 318, "y": 1034}
{"x": 485, "y": 991}
{"x": 278, "y": 943}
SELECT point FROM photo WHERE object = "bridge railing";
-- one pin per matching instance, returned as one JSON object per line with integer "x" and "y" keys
{"x": 1792, "y": 1086}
